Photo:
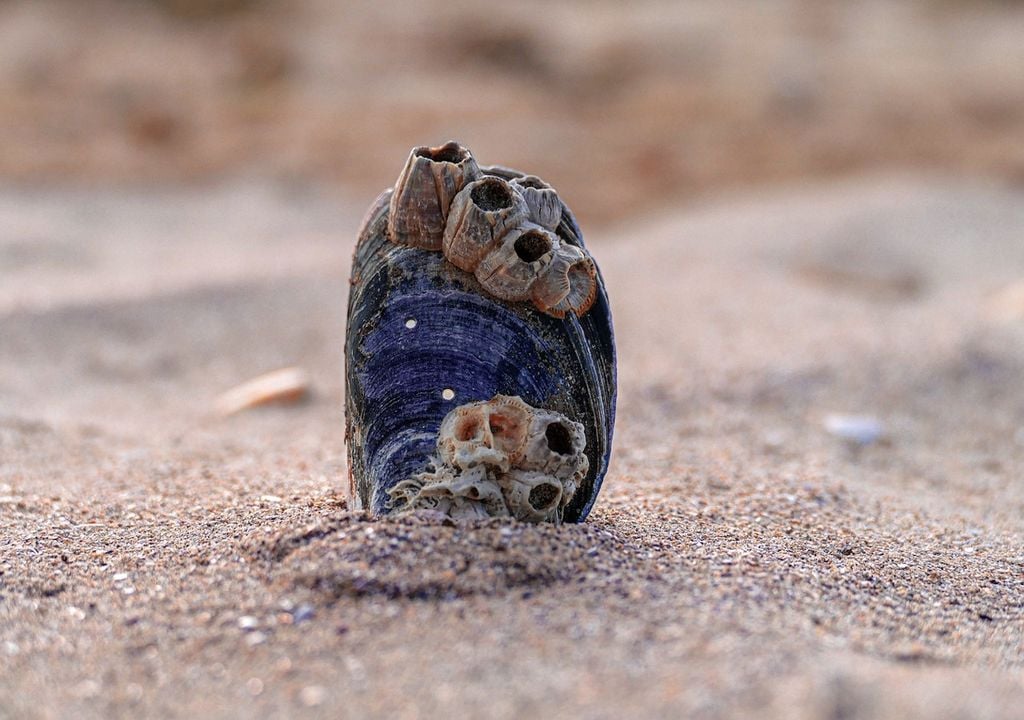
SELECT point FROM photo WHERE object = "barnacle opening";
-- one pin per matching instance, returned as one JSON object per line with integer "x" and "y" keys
{"x": 544, "y": 496}
{"x": 491, "y": 194}
{"x": 559, "y": 439}
{"x": 450, "y": 152}
{"x": 532, "y": 246}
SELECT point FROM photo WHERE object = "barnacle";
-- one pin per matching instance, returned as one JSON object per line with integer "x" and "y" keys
{"x": 479, "y": 218}
{"x": 531, "y": 496}
{"x": 431, "y": 178}
{"x": 498, "y": 458}
{"x": 568, "y": 283}
{"x": 541, "y": 199}
{"x": 484, "y": 433}
{"x": 510, "y": 271}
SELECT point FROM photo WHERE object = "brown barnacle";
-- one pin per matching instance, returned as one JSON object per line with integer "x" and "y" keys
{"x": 481, "y": 215}
{"x": 541, "y": 199}
{"x": 423, "y": 193}
{"x": 509, "y": 271}
{"x": 568, "y": 283}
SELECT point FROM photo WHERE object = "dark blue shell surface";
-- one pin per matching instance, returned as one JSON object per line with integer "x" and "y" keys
{"x": 423, "y": 337}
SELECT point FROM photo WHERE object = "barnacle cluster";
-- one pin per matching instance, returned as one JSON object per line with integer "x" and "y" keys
{"x": 500, "y": 458}
{"x": 502, "y": 231}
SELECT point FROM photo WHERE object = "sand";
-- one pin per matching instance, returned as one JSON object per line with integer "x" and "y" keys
{"x": 159, "y": 560}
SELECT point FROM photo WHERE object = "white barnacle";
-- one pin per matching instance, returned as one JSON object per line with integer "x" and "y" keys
{"x": 499, "y": 458}
{"x": 554, "y": 445}
{"x": 531, "y": 496}
{"x": 490, "y": 433}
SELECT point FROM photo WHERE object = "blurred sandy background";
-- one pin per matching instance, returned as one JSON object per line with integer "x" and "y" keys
{"x": 810, "y": 216}
{"x": 630, "y": 105}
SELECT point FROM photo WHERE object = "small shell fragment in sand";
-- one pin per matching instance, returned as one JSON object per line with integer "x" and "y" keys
{"x": 856, "y": 429}
{"x": 282, "y": 387}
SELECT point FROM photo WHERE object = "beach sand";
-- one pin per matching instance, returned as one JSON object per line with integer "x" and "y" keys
{"x": 157, "y": 560}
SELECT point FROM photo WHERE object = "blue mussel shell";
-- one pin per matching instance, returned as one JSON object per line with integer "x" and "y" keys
{"x": 424, "y": 337}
